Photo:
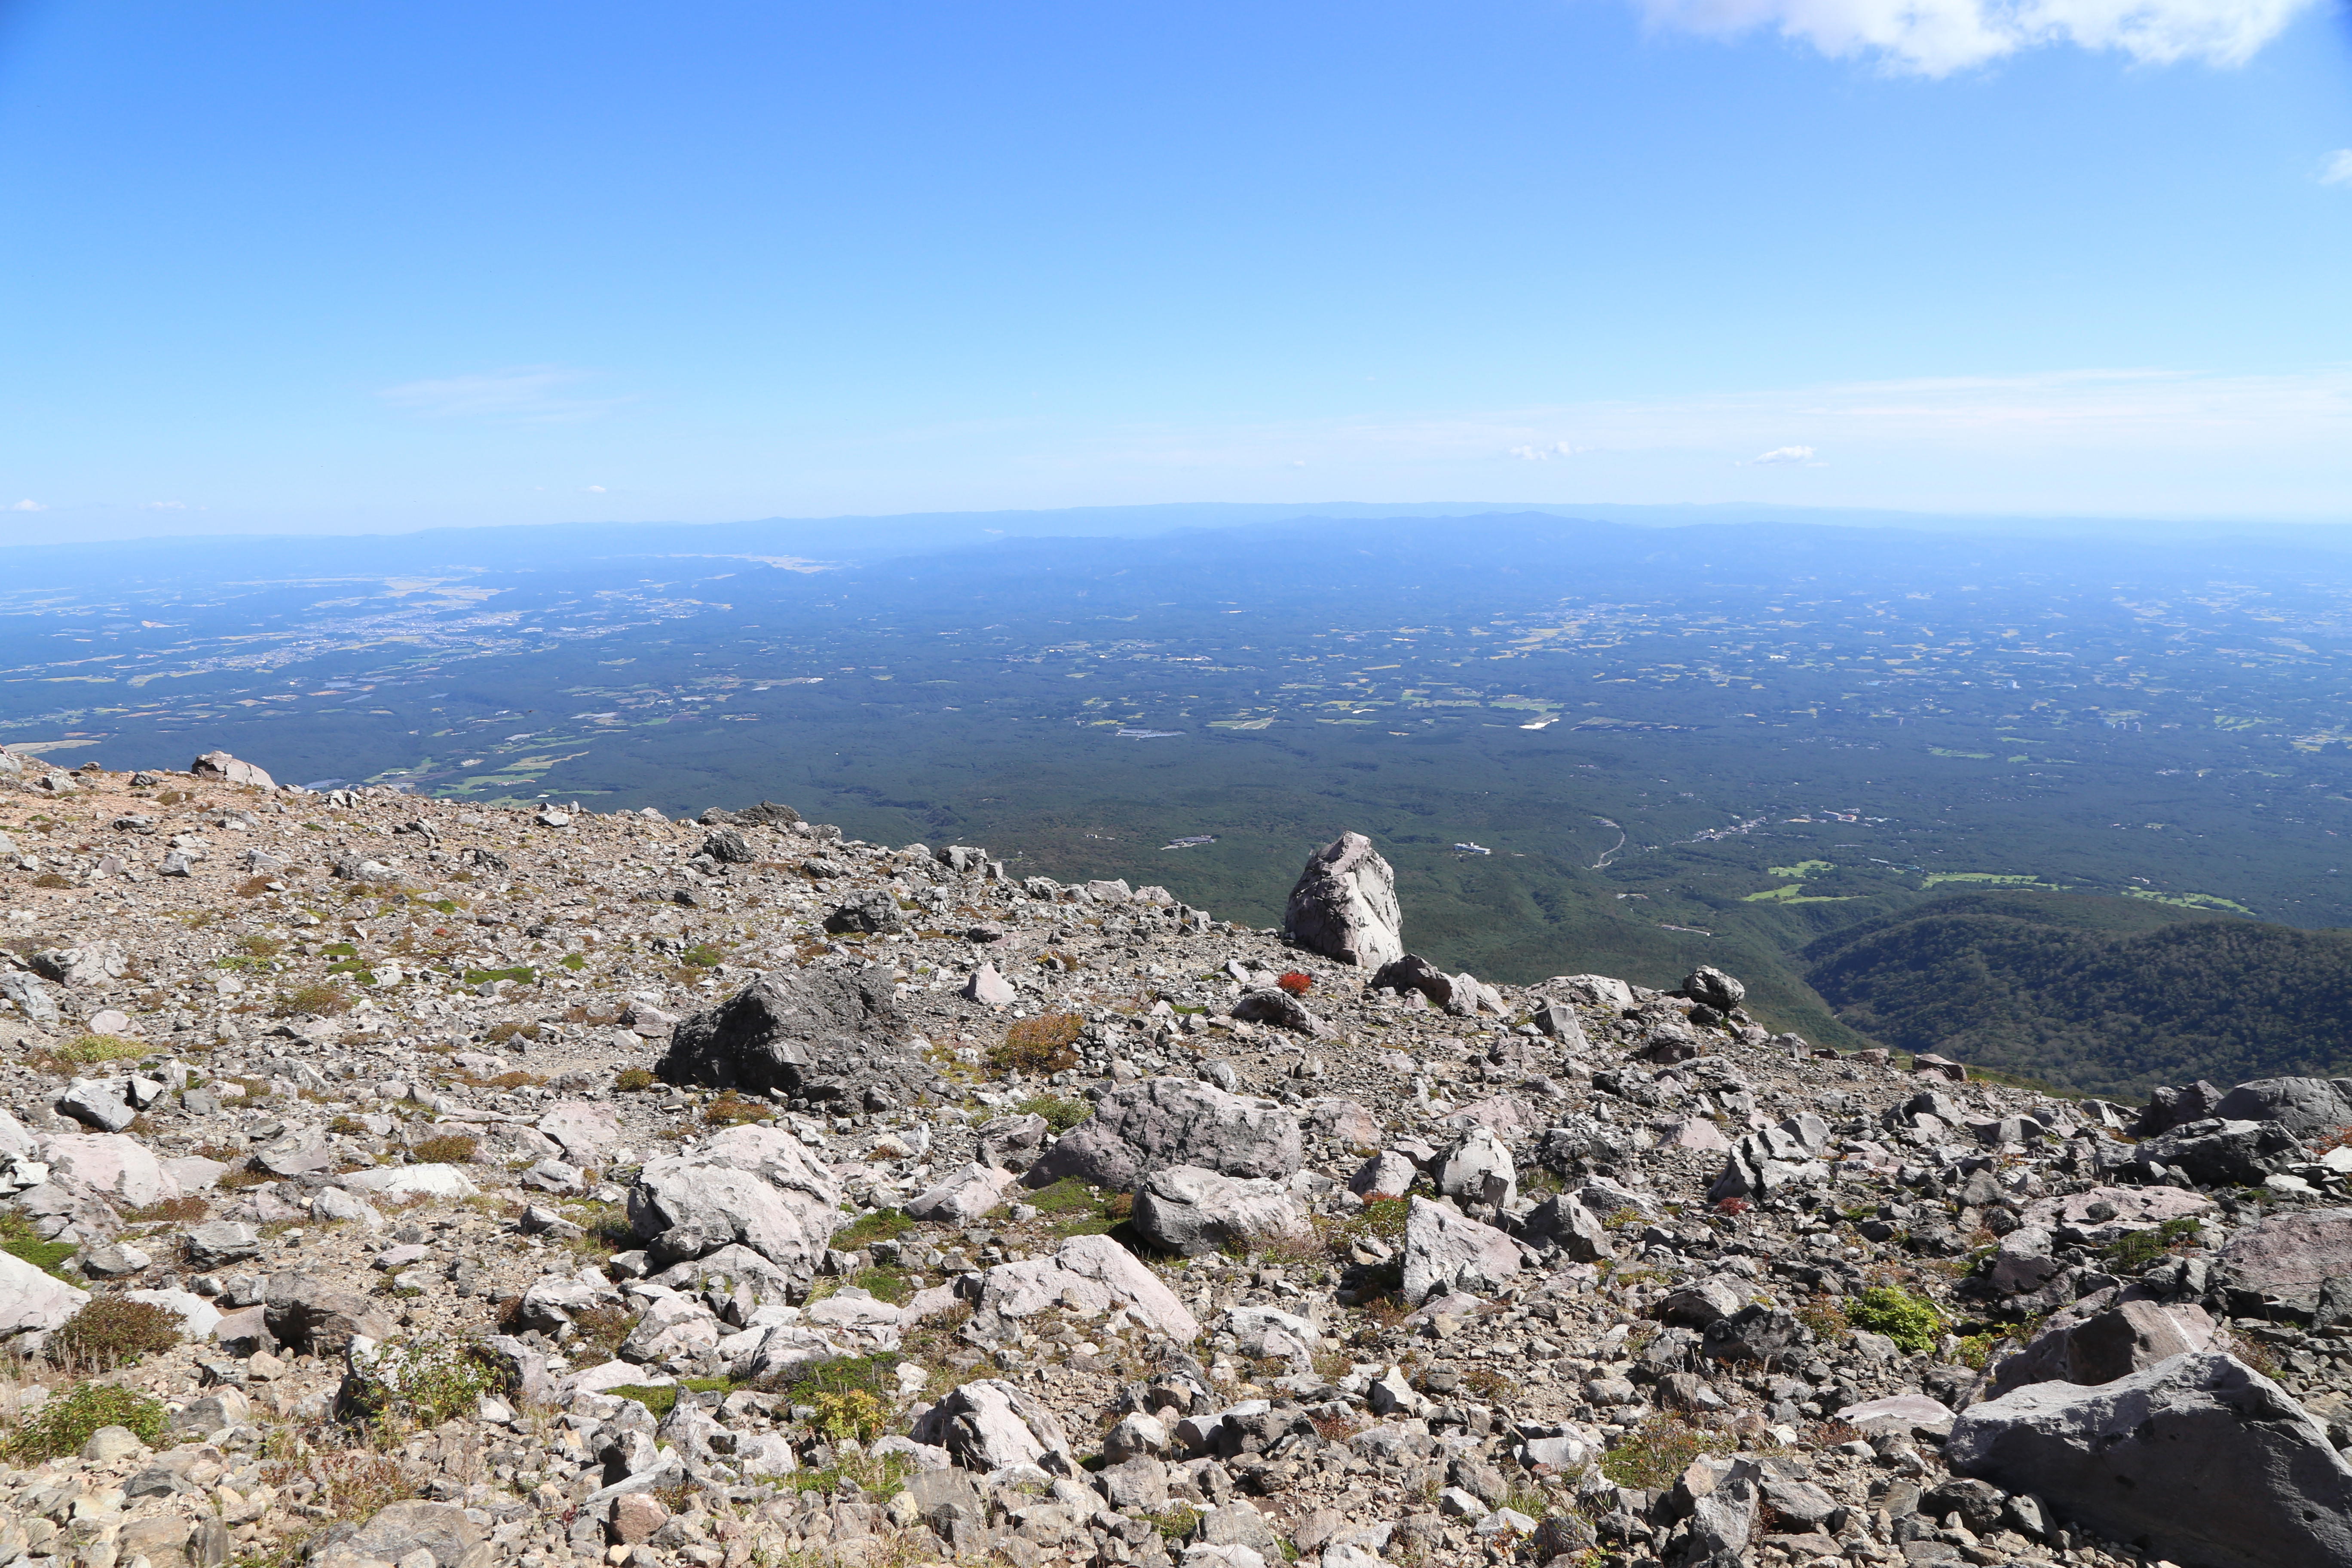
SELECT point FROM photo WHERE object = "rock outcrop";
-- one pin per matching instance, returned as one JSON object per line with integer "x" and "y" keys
{"x": 1165, "y": 1121}
{"x": 828, "y": 1039}
{"x": 1345, "y": 905}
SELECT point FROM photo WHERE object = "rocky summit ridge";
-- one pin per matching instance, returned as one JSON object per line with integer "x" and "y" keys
{"x": 386, "y": 1181}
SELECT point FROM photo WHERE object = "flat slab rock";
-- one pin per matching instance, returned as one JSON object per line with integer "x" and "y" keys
{"x": 1164, "y": 1122}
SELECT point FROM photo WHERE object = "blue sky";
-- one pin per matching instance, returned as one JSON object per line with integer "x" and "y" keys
{"x": 354, "y": 267}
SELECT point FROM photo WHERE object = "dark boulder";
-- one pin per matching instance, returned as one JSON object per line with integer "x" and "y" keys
{"x": 2199, "y": 1458}
{"x": 824, "y": 1035}
{"x": 871, "y": 912}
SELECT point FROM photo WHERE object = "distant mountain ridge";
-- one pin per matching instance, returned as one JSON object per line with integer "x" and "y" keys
{"x": 2098, "y": 994}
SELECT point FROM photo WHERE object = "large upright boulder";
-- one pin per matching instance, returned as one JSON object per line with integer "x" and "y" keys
{"x": 1163, "y": 1122}
{"x": 2199, "y": 1458}
{"x": 1445, "y": 1251}
{"x": 1345, "y": 905}
{"x": 829, "y": 1036}
{"x": 751, "y": 1186}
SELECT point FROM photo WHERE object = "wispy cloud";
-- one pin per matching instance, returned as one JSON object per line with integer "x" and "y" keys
{"x": 1545, "y": 452}
{"x": 163, "y": 506}
{"x": 1779, "y": 456}
{"x": 594, "y": 489}
{"x": 2338, "y": 169}
{"x": 533, "y": 394}
{"x": 1936, "y": 38}
{"x": 28, "y": 505}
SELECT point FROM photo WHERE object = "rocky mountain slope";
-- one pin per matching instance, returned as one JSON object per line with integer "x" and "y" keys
{"x": 394, "y": 1183}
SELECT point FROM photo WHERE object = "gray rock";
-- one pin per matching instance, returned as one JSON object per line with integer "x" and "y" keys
{"x": 1711, "y": 987}
{"x": 728, "y": 846}
{"x": 2283, "y": 1262}
{"x": 1774, "y": 1160}
{"x": 2217, "y": 1154}
{"x": 1444, "y": 1248}
{"x": 1479, "y": 1170}
{"x": 1345, "y": 905}
{"x": 1188, "y": 1210}
{"x": 103, "y": 1103}
{"x": 1273, "y": 1004}
{"x": 1387, "y": 1174}
{"x": 32, "y": 998}
{"x": 2199, "y": 1459}
{"x": 1703, "y": 1301}
{"x": 989, "y": 988}
{"x": 988, "y": 1425}
{"x": 2169, "y": 1107}
{"x": 224, "y": 768}
{"x": 830, "y": 1037}
{"x": 1163, "y": 1122}
{"x": 1574, "y": 1228}
{"x": 2098, "y": 1340}
{"x": 317, "y": 1318}
{"x": 2301, "y": 1105}
{"x": 1011, "y": 1142}
{"x": 752, "y": 1186}
{"x": 32, "y": 1301}
{"x": 1408, "y": 972}
{"x": 1559, "y": 1020}
{"x": 872, "y": 913}
{"x": 438, "y": 1527}
{"x": 962, "y": 1195}
{"x": 1756, "y": 1333}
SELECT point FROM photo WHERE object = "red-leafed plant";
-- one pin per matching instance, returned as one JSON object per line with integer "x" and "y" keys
{"x": 1733, "y": 1206}
{"x": 1297, "y": 981}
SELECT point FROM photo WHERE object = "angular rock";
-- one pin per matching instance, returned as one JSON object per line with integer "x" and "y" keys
{"x": 1774, "y": 1160}
{"x": 221, "y": 766}
{"x": 1387, "y": 1174}
{"x": 103, "y": 1103}
{"x": 2217, "y": 1154}
{"x": 752, "y": 1186}
{"x": 989, "y": 988}
{"x": 1188, "y": 1210}
{"x": 1096, "y": 1271}
{"x": 439, "y": 1529}
{"x": 1756, "y": 1333}
{"x": 2200, "y": 1458}
{"x": 963, "y": 1195}
{"x": 317, "y": 1318}
{"x": 2283, "y": 1262}
{"x": 2301, "y": 1105}
{"x": 2108, "y": 1340}
{"x": 32, "y": 1301}
{"x": 1344, "y": 1121}
{"x": 583, "y": 1127}
{"x": 1575, "y": 1229}
{"x": 1273, "y": 1004}
{"x": 1479, "y": 1170}
{"x": 92, "y": 963}
{"x": 988, "y": 1425}
{"x": 872, "y": 913}
{"x": 120, "y": 1168}
{"x": 1011, "y": 1142}
{"x": 831, "y": 1037}
{"x": 1445, "y": 1249}
{"x": 222, "y": 1241}
{"x": 1163, "y": 1122}
{"x": 1711, "y": 987}
{"x": 1344, "y": 905}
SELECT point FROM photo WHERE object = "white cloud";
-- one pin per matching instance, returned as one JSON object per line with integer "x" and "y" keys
{"x": 28, "y": 505}
{"x": 594, "y": 489}
{"x": 2339, "y": 171}
{"x": 1779, "y": 456}
{"x": 163, "y": 506}
{"x": 532, "y": 392}
{"x": 1936, "y": 38}
{"x": 1544, "y": 453}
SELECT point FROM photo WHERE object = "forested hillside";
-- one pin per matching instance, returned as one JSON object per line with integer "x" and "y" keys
{"x": 2098, "y": 994}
